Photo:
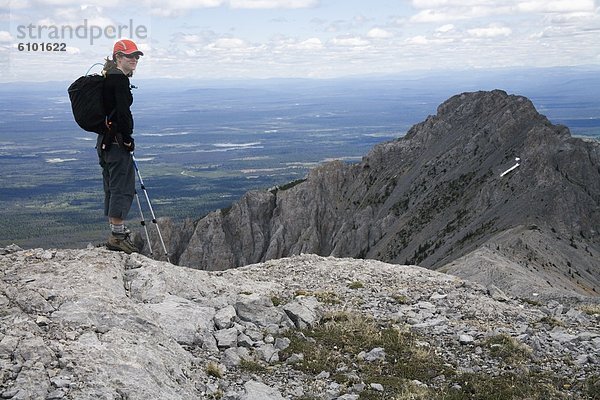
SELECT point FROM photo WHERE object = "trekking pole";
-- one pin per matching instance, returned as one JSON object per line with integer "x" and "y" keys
{"x": 137, "y": 170}
{"x": 143, "y": 222}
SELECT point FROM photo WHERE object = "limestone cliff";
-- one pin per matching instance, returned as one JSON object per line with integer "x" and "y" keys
{"x": 429, "y": 198}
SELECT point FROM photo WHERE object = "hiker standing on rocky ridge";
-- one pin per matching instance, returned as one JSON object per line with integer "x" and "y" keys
{"x": 115, "y": 146}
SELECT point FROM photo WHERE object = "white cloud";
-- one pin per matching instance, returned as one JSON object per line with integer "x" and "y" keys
{"x": 272, "y": 3}
{"x": 490, "y": 31}
{"x": 14, "y": 4}
{"x": 445, "y": 28}
{"x": 556, "y": 6}
{"x": 189, "y": 39}
{"x": 310, "y": 44}
{"x": 378, "y": 33}
{"x": 176, "y": 7}
{"x": 569, "y": 18}
{"x": 418, "y": 40}
{"x": 517, "y": 5}
{"x": 73, "y": 50}
{"x": 227, "y": 44}
{"x": 448, "y": 10}
{"x": 429, "y": 15}
{"x": 66, "y": 3}
{"x": 354, "y": 41}
{"x": 5, "y": 37}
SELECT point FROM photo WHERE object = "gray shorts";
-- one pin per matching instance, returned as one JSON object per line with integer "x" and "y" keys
{"x": 118, "y": 174}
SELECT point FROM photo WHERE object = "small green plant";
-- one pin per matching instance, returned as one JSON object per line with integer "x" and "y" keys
{"x": 252, "y": 367}
{"x": 277, "y": 301}
{"x": 341, "y": 336}
{"x": 325, "y": 297}
{"x": 217, "y": 395}
{"x": 289, "y": 185}
{"x": 553, "y": 322}
{"x": 507, "y": 386}
{"x": 592, "y": 387}
{"x": 213, "y": 369}
{"x": 508, "y": 349}
{"x": 591, "y": 309}
{"x": 356, "y": 285}
{"x": 400, "y": 298}
{"x": 532, "y": 302}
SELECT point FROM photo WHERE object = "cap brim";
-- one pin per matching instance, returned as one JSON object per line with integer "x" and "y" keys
{"x": 131, "y": 52}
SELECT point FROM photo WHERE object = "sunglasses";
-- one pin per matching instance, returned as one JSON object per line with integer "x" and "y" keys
{"x": 131, "y": 56}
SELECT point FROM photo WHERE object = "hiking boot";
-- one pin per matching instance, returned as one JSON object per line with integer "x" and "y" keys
{"x": 121, "y": 242}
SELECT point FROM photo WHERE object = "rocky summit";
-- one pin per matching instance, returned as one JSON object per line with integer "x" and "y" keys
{"x": 448, "y": 195}
{"x": 94, "y": 324}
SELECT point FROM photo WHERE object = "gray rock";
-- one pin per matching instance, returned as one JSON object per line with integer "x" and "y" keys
{"x": 349, "y": 397}
{"x": 61, "y": 381}
{"x": 438, "y": 296}
{"x": 55, "y": 395}
{"x": 184, "y": 320}
{"x": 32, "y": 302}
{"x": 8, "y": 345}
{"x": 295, "y": 358}
{"x": 226, "y": 337}
{"x": 430, "y": 323}
{"x": 268, "y": 353}
{"x": 258, "y": 310}
{"x": 244, "y": 354}
{"x": 496, "y": 293}
{"x": 562, "y": 336}
{"x": 12, "y": 248}
{"x": 231, "y": 395}
{"x": 303, "y": 311}
{"x": 465, "y": 339}
{"x": 209, "y": 343}
{"x": 376, "y": 354}
{"x": 323, "y": 375}
{"x": 244, "y": 341}
{"x": 231, "y": 357}
{"x": 35, "y": 350}
{"x": 282, "y": 343}
{"x": 254, "y": 334}
{"x": 582, "y": 359}
{"x": 587, "y": 336}
{"x": 32, "y": 382}
{"x": 259, "y": 391}
{"x": 377, "y": 387}
{"x": 224, "y": 317}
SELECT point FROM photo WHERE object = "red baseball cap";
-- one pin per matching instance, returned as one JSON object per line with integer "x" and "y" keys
{"x": 126, "y": 46}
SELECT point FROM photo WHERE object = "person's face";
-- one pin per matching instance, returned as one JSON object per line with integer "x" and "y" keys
{"x": 127, "y": 62}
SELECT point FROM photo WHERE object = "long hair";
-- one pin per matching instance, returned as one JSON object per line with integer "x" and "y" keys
{"x": 111, "y": 64}
{"x": 108, "y": 65}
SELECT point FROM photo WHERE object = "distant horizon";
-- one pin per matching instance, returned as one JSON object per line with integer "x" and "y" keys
{"x": 409, "y": 74}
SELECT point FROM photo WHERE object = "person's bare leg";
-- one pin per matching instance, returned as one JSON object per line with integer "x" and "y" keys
{"x": 116, "y": 221}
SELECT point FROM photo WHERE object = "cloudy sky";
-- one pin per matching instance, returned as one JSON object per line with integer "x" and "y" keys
{"x": 214, "y": 39}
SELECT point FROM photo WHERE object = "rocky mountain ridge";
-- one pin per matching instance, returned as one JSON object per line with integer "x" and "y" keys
{"x": 430, "y": 198}
{"x": 94, "y": 324}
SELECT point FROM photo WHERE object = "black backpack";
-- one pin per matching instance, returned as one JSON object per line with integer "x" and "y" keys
{"x": 88, "y": 104}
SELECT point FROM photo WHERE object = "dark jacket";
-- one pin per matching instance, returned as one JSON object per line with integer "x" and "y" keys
{"x": 117, "y": 102}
